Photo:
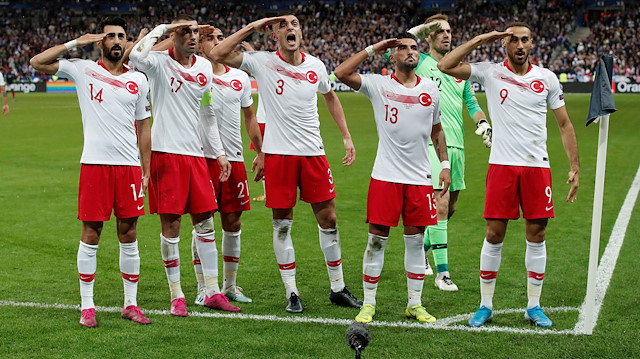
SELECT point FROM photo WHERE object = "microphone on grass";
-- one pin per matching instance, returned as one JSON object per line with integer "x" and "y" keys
{"x": 358, "y": 337}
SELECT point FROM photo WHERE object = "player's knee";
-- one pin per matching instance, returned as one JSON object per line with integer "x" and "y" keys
{"x": 329, "y": 221}
{"x": 537, "y": 237}
{"x": 494, "y": 237}
{"x": 204, "y": 226}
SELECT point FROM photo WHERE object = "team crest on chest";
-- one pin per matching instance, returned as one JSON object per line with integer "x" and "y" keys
{"x": 536, "y": 86}
{"x": 408, "y": 101}
{"x": 132, "y": 87}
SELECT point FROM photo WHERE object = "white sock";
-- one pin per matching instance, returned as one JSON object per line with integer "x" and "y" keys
{"x": 330, "y": 245}
{"x": 230, "y": 257}
{"x": 372, "y": 266}
{"x": 490, "y": 258}
{"x": 535, "y": 260}
{"x": 130, "y": 270}
{"x": 208, "y": 253}
{"x": 171, "y": 258}
{"x": 285, "y": 254}
{"x": 197, "y": 266}
{"x": 87, "y": 263}
{"x": 414, "y": 266}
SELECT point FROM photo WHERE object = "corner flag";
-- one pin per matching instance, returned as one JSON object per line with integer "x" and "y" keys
{"x": 600, "y": 107}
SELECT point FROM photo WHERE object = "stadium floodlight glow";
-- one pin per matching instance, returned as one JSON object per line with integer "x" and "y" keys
{"x": 600, "y": 108}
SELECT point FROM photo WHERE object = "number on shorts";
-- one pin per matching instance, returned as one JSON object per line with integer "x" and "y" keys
{"x": 432, "y": 201}
{"x": 330, "y": 175}
{"x": 503, "y": 95}
{"x": 138, "y": 195}
{"x": 547, "y": 191}
{"x": 244, "y": 189}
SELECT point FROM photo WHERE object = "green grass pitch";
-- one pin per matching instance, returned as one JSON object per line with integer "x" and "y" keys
{"x": 39, "y": 165}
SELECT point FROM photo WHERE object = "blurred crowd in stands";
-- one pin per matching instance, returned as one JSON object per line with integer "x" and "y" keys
{"x": 333, "y": 30}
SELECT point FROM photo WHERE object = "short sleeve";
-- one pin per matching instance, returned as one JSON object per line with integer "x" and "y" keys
{"x": 246, "y": 99}
{"x": 251, "y": 61}
{"x": 478, "y": 71}
{"x": 365, "y": 85}
{"x": 555, "y": 97}
{"x": 68, "y": 69}
{"x": 143, "y": 109}
{"x": 324, "y": 86}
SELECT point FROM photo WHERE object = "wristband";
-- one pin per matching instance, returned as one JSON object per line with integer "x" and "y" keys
{"x": 369, "y": 49}
{"x": 71, "y": 44}
{"x": 445, "y": 165}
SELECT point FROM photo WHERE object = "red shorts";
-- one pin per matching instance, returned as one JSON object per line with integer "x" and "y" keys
{"x": 387, "y": 201}
{"x": 180, "y": 184}
{"x": 510, "y": 187}
{"x": 233, "y": 194}
{"x": 285, "y": 173}
{"x": 261, "y": 125}
{"x": 104, "y": 188}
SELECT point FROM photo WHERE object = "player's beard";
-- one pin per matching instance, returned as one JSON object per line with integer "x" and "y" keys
{"x": 114, "y": 58}
{"x": 513, "y": 57}
{"x": 402, "y": 65}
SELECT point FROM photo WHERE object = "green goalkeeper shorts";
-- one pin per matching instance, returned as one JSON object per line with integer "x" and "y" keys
{"x": 456, "y": 158}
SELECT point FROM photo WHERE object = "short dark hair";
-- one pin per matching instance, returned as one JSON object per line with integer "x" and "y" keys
{"x": 183, "y": 17}
{"x": 519, "y": 24}
{"x": 113, "y": 21}
{"x": 407, "y": 35}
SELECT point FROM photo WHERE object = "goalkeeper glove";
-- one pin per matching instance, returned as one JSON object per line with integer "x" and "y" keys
{"x": 484, "y": 130}
{"x": 423, "y": 30}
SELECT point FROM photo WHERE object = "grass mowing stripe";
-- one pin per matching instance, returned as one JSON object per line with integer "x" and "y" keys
{"x": 611, "y": 252}
{"x": 441, "y": 324}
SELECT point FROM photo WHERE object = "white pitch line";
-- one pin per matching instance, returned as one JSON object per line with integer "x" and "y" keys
{"x": 441, "y": 324}
{"x": 610, "y": 255}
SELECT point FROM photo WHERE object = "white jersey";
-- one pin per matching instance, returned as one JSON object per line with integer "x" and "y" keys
{"x": 290, "y": 101}
{"x": 230, "y": 92}
{"x": 109, "y": 105}
{"x": 404, "y": 120}
{"x": 176, "y": 93}
{"x": 260, "y": 115}
{"x": 2, "y": 83}
{"x": 518, "y": 111}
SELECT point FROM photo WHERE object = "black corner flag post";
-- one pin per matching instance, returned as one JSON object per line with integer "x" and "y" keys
{"x": 600, "y": 107}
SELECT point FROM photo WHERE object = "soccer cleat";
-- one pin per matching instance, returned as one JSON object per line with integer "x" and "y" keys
{"x": 220, "y": 302}
{"x": 294, "y": 305}
{"x": 344, "y": 298}
{"x": 444, "y": 283}
{"x": 483, "y": 315}
{"x": 417, "y": 311}
{"x": 536, "y": 316}
{"x": 134, "y": 314}
{"x": 88, "y": 318}
{"x": 260, "y": 198}
{"x": 200, "y": 297}
{"x": 366, "y": 313}
{"x": 179, "y": 307}
{"x": 427, "y": 268}
{"x": 235, "y": 294}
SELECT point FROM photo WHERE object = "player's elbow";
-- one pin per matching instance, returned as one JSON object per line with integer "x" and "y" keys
{"x": 442, "y": 67}
{"x": 35, "y": 63}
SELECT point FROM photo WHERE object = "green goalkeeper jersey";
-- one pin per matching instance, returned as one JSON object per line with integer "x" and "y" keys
{"x": 453, "y": 92}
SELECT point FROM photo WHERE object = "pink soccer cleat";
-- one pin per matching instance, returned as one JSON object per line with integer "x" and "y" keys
{"x": 179, "y": 307}
{"x": 220, "y": 302}
{"x": 88, "y": 318}
{"x": 134, "y": 314}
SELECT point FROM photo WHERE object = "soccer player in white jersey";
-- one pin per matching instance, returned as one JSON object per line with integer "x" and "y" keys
{"x": 517, "y": 97}
{"x": 406, "y": 108}
{"x": 231, "y": 95}
{"x": 288, "y": 81}
{"x": 113, "y": 100}
{"x": 5, "y": 100}
{"x": 180, "y": 183}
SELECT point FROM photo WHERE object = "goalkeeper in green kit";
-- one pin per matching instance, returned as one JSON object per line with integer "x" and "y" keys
{"x": 453, "y": 93}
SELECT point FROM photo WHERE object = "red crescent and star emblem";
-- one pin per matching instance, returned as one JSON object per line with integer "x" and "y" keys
{"x": 132, "y": 87}
{"x": 424, "y": 99}
{"x": 312, "y": 77}
{"x": 236, "y": 85}
{"x": 201, "y": 79}
{"x": 536, "y": 86}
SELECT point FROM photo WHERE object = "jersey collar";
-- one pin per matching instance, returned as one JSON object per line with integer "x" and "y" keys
{"x": 173, "y": 56}
{"x": 393, "y": 76}
{"x": 124, "y": 68}
{"x": 226, "y": 69}
{"x": 506, "y": 64}
{"x": 280, "y": 56}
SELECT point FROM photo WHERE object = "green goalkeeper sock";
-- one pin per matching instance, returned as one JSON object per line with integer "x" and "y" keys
{"x": 427, "y": 241}
{"x": 438, "y": 236}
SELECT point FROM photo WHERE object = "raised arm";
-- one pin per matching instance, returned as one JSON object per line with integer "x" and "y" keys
{"x": 225, "y": 52}
{"x": 570, "y": 143}
{"x": 140, "y": 52}
{"x": 451, "y": 63}
{"x": 47, "y": 61}
{"x": 335, "y": 109}
{"x": 346, "y": 72}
